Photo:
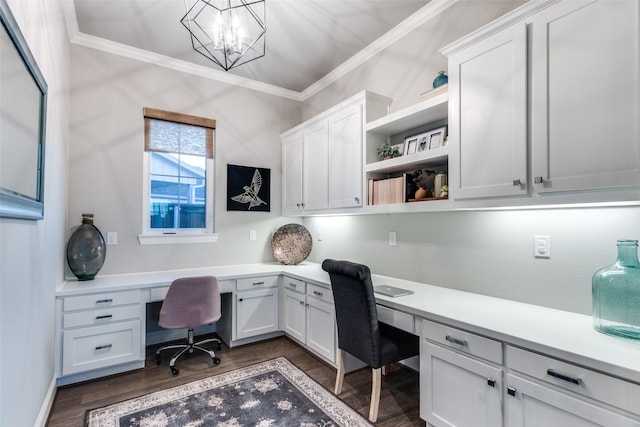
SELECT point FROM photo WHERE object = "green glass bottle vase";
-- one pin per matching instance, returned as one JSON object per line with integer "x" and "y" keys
{"x": 616, "y": 294}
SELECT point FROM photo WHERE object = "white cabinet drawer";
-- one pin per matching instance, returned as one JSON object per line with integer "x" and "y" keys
{"x": 102, "y": 316}
{"x": 107, "y": 299}
{"x": 463, "y": 341}
{"x": 399, "y": 319}
{"x": 85, "y": 349}
{"x": 294, "y": 284}
{"x": 616, "y": 392}
{"x": 257, "y": 283}
{"x": 325, "y": 294}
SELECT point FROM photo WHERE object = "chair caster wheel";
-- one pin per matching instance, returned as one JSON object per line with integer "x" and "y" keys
{"x": 174, "y": 371}
{"x": 216, "y": 360}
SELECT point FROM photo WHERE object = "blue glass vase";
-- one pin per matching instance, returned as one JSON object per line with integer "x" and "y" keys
{"x": 441, "y": 79}
{"x": 86, "y": 250}
{"x": 616, "y": 294}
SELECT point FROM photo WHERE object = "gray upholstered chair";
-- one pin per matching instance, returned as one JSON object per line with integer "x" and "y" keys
{"x": 359, "y": 332}
{"x": 190, "y": 302}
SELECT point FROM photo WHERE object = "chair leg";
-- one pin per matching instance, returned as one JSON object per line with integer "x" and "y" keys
{"x": 340, "y": 372}
{"x": 384, "y": 370}
{"x": 376, "y": 381}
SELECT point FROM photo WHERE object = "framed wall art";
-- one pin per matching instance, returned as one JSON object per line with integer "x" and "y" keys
{"x": 248, "y": 188}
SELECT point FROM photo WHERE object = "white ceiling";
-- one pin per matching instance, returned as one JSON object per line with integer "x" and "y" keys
{"x": 306, "y": 39}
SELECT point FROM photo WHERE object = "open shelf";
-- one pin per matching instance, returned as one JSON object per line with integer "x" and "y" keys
{"x": 423, "y": 159}
{"x": 428, "y": 111}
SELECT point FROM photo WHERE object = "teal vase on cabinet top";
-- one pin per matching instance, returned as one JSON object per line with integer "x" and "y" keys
{"x": 86, "y": 250}
{"x": 441, "y": 79}
{"x": 616, "y": 294}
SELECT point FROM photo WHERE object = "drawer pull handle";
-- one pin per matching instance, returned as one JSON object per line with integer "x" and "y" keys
{"x": 258, "y": 283}
{"x": 454, "y": 340}
{"x": 104, "y": 347}
{"x": 104, "y": 301}
{"x": 576, "y": 381}
{"x": 293, "y": 285}
{"x": 511, "y": 391}
{"x": 316, "y": 293}
{"x": 301, "y": 302}
{"x": 104, "y": 316}
{"x": 491, "y": 383}
{"x": 538, "y": 180}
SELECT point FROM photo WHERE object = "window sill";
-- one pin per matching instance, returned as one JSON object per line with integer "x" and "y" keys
{"x": 176, "y": 239}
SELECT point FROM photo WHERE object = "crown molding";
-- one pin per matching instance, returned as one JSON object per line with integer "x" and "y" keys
{"x": 423, "y": 15}
{"x": 427, "y": 12}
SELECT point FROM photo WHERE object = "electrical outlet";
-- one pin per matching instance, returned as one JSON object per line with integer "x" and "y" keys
{"x": 542, "y": 246}
{"x": 112, "y": 238}
{"x": 392, "y": 238}
{"x": 252, "y": 235}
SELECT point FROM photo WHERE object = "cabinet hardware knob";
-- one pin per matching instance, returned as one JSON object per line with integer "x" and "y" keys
{"x": 301, "y": 302}
{"x": 511, "y": 391}
{"x": 316, "y": 293}
{"x": 538, "y": 180}
{"x": 104, "y": 347}
{"x": 576, "y": 381}
{"x": 306, "y": 305}
{"x": 491, "y": 382}
{"x": 241, "y": 299}
{"x": 104, "y": 301}
{"x": 104, "y": 316}
{"x": 458, "y": 341}
{"x": 517, "y": 182}
{"x": 356, "y": 199}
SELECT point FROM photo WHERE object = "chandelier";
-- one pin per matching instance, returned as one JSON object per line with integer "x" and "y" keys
{"x": 228, "y": 32}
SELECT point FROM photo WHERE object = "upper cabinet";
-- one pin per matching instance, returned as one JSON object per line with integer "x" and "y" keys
{"x": 585, "y": 81}
{"x": 544, "y": 103}
{"x": 322, "y": 158}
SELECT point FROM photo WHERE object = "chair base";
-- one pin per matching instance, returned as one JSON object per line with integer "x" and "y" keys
{"x": 189, "y": 347}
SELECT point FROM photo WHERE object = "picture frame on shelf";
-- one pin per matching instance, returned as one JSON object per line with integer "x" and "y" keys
{"x": 410, "y": 145}
{"x": 436, "y": 137}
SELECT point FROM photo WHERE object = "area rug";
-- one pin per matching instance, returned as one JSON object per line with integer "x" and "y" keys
{"x": 271, "y": 393}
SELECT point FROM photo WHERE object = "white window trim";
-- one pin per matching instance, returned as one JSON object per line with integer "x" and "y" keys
{"x": 172, "y": 236}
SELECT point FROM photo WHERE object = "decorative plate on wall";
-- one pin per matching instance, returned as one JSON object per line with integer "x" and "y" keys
{"x": 291, "y": 244}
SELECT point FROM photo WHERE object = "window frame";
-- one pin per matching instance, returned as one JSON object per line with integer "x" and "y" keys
{"x": 178, "y": 235}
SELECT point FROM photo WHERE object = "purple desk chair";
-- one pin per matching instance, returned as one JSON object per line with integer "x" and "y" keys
{"x": 190, "y": 302}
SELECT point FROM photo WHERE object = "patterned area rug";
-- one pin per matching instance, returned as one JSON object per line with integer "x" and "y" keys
{"x": 272, "y": 393}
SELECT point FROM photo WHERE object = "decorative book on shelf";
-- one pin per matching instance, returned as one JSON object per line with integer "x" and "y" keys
{"x": 389, "y": 190}
{"x": 433, "y": 92}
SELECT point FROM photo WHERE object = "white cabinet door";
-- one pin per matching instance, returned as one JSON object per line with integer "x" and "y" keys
{"x": 256, "y": 312}
{"x": 530, "y": 404}
{"x": 456, "y": 390}
{"x": 316, "y": 166}
{"x": 294, "y": 317}
{"x": 292, "y": 149}
{"x": 345, "y": 154}
{"x": 488, "y": 116}
{"x": 585, "y": 97}
{"x": 321, "y": 328}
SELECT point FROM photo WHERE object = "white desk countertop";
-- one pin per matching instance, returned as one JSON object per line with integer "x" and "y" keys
{"x": 561, "y": 334}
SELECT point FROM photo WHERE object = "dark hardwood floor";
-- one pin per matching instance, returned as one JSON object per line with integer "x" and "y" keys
{"x": 399, "y": 402}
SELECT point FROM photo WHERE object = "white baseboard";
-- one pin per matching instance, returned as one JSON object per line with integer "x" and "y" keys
{"x": 47, "y": 403}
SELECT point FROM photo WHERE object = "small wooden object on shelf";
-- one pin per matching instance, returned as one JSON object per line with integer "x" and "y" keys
{"x": 427, "y": 199}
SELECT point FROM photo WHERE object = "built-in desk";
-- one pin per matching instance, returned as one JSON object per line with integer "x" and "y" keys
{"x": 507, "y": 336}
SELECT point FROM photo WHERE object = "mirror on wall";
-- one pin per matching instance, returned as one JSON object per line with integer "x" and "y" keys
{"x": 23, "y": 99}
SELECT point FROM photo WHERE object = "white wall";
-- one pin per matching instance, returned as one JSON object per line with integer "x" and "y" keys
{"x": 108, "y": 94}
{"x": 486, "y": 252}
{"x": 31, "y": 252}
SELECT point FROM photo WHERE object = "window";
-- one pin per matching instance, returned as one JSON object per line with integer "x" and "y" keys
{"x": 178, "y": 175}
